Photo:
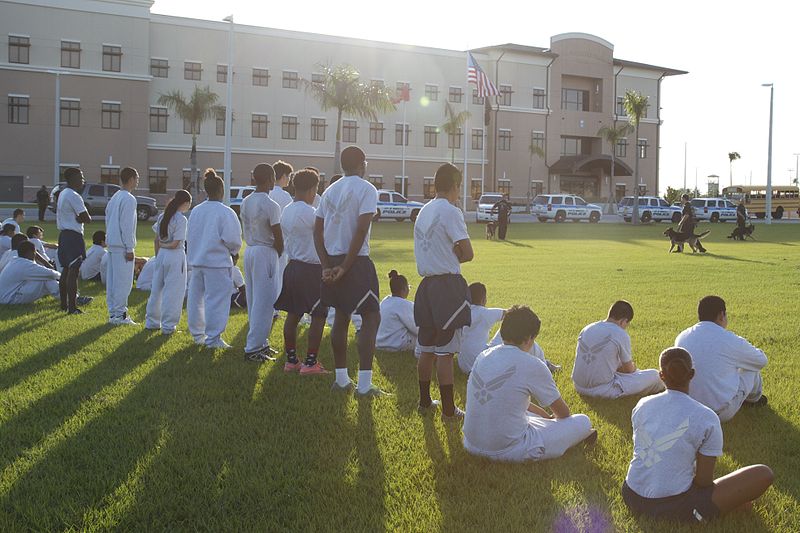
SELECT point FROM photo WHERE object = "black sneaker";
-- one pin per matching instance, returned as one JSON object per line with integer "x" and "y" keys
{"x": 591, "y": 439}
{"x": 258, "y": 356}
{"x": 761, "y": 402}
{"x": 83, "y": 300}
{"x": 75, "y": 311}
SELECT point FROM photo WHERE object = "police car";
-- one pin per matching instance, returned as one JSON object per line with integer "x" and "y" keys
{"x": 561, "y": 207}
{"x": 483, "y": 212}
{"x": 238, "y": 194}
{"x": 394, "y": 205}
{"x": 650, "y": 208}
{"x": 714, "y": 209}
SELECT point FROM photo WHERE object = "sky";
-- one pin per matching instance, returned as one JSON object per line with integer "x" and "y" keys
{"x": 729, "y": 48}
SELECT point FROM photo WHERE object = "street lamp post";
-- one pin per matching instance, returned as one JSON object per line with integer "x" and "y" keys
{"x": 57, "y": 132}
{"x": 228, "y": 113}
{"x": 769, "y": 152}
{"x": 796, "y": 167}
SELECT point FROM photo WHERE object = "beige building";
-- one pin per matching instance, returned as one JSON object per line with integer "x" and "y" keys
{"x": 111, "y": 59}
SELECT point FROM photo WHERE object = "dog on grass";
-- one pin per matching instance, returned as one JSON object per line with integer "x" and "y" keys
{"x": 490, "y": 228}
{"x": 740, "y": 234}
{"x": 679, "y": 239}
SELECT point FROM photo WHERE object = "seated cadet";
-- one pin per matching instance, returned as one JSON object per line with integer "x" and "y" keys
{"x": 8, "y": 231}
{"x": 36, "y": 235}
{"x": 16, "y": 240}
{"x": 501, "y": 423}
{"x": 604, "y": 366}
{"x": 146, "y": 267}
{"x": 728, "y": 367}
{"x": 238, "y": 291}
{"x": 23, "y": 281}
{"x": 95, "y": 264}
{"x": 475, "y": 336}
{"x": 535, "y": 351}
{"x": 397, "y": 331}
{"x": 16, "y": 219}
{"x": 676, "y": 442}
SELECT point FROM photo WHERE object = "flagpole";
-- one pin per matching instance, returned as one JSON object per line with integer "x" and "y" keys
{"x": 403, "y": 159}
{"x": 483, "y": 157}
{"x": 466, "y": 144}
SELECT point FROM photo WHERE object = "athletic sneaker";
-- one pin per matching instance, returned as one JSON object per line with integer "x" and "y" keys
{"x": 199, "y": 339}
{"x": 591, "y": 439}
{"x": 347, "y": 388}
{"x": 456, "y": 417}
{"x": 435, "y": 404}
{"x": 75, "y": 311}
{"x": 169, "y": 332}
{"x": 292, "y": 367}
{"x": 258, "y": 356}
{"x": 83, "y": 300}
{"x": 316, "y": 368}
{"x": 761, "y": 402}
{"x": 372, "y": 392}
{"x": 553, "y": 368}
{"x": 219, "y": 343}
{"x": 122, "y": 321}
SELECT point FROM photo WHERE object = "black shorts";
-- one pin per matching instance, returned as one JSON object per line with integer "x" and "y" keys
{"x": 441, "y": 309}
{"x": 239, "y": 300}
{"x": 357, "y": 292}
{"x": 301, "y": 290}
{"x": 71, "y": 248}
{"x": 694, "y": 505}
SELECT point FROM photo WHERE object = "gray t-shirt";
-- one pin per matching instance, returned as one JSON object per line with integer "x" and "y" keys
{"x": 669, "y": 430}
{"x": 602, "y": 348}
{"x": 499, "y": 391}
{"x": 259, "y": 213}
{"x": 342, "y": 204}
{"x": 439, "y": 226}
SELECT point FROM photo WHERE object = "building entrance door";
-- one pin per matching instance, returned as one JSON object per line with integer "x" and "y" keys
{"x": 12, "y": 189}
{"x": 587, "y": 187}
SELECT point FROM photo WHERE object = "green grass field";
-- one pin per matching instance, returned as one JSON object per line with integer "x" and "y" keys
{"x": 121, "y": 428}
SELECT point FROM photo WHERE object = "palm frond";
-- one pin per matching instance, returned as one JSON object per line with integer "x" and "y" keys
{"x": 636, "y": 105}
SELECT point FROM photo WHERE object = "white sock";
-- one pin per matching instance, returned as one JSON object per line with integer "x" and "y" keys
{"x": 364, "y": 380}
{"x": 342, "y": 379}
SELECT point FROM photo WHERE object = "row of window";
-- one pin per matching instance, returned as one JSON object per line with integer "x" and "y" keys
{"x": 19, "y": 51}
{"x": 70, "y": 112}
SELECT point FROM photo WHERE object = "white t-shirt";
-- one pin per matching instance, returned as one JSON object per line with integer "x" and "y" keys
{"x": 535, "y": 350}
{"x": 5, "y": 244}
{"x": 317, "y": 200}
{"x": 439, "y": 226}
{"x": 6, "y": 258}
{"x": 499, "y": 390}
{"x": 94, "y": 263}
{"x": 213, "y": 235}
{"x": 145, "y": 280}
{"x": 259, "y": 212}
{"x": 718, "y": 356}
{"x": 19, "y": 271}
{"x": 297, "y": 225}
{"x": 281, "y": 197}
{"x": 238, "y": 279}
{"x": 176, "y": 229}
{"x": 12, "y": 222}
{"x": 602, "y": 347}
{"x": 475, "y": 336}
{"x": 70, "y": 205}
{"x": 669, "y": 430}
{"x": 397, "y": 328}
{"x": 342, "y": 204}
{"x": 121, "y": 221}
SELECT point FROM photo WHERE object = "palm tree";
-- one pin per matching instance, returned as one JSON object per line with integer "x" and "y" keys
{"x": 202, "y": 105}
{"x": 612, "y": 135}
{"x": 636, "y": 107}
{"x": 732, "y": 156}
{"x": 340, "y": 88}
{"x": 452, "y": 125}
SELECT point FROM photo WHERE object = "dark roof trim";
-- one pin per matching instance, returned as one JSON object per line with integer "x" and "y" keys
{"x": 516, "y": 48}
{"x": 571, "y": 164}
{"x": 665, "y": 70}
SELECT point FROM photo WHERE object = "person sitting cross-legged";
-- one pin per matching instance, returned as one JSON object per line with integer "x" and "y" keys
{"x": 23, "y": 281}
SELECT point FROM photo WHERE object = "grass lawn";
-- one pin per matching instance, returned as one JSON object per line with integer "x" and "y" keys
{"x": 121, "y": 428}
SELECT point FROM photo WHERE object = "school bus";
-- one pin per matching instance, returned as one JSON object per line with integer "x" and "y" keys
{"x": 785, "y": 199}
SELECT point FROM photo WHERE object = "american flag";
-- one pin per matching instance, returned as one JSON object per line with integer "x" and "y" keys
{"x": 475, "y": 75}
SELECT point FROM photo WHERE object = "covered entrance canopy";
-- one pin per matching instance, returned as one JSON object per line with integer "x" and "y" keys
{"x": 574, "y": 164}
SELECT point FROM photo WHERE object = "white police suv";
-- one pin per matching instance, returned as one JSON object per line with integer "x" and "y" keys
{"x": 561, "y": 207}
{"x": 714, "y": 209}
{"x": 238, "y": 194}
{"x": 394, "y": 205}
{"x": 650, "y": 208}
{"x": 483, "y": 211}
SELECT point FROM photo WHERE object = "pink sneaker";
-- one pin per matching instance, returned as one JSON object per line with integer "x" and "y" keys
{"x": 316, "y": 368}
{"x": 292, "y": 367}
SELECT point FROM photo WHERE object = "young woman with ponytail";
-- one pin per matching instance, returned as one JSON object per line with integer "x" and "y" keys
{"x": 397, "y": 331}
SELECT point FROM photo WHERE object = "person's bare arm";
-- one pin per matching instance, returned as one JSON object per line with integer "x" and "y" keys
{"x": 278, "y": 243}
{"x": 704, "y": 470}
{"x": 627, "y": 368}
{"x": 535, "y": 409}
{"x": 362, "y": 228}
{"x": 463, "y": 250}
{"x": 84, "y": 218}
{"x": 560, "y": 409}
{"x": 319, "y": 244}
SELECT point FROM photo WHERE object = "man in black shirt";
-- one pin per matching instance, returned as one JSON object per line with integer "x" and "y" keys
{"x": 688, "y": 223}
{"x": 503, "y": 211}
{"x": 42, "y": 198}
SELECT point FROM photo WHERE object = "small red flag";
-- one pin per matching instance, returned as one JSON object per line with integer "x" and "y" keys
{"x": 403, "y": 94}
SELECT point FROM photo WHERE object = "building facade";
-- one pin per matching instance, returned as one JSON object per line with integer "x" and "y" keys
{"x": 98, "y": 67}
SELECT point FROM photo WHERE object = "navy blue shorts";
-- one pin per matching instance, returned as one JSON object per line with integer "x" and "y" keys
{"x": 301, "y": 290}
{"x": 441, "y": 308}
{"x": 71, "y": 248}
{"x": 694, "y": 505}
{"x": 357, "y": 291}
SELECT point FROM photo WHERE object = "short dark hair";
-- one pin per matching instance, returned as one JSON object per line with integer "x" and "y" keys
{"x": 72, "y": 173}
{"x": 8, "y": 229}
{"x": 33, "y": 230}
{"x": 685, "y": 196}
{"x": 520, "y": 324}
{"x": 397, "y": 282}
{"x": 25, "y": 249}
{"x": 313, "y": 169}
{"x": 334, "y": 179}
{"x": 213, "y": 184}
{"x": 18, "y": 239}
{"x": 352, "y": 158}
{"x": 281, "y": 169}
{"x": 477, "y": 292}
{"x": 447, "y": 176}
{"x": 98, "y": 237}
{"x": 263, "y": 173}
{"x": 305, "y": 179}
{"x": 709, "y": 308}
{"x": 676, "y": 366}
{"x": 621, "y": 309}
{"x": 127, "y": 174}
{"x": 18, "y": 212}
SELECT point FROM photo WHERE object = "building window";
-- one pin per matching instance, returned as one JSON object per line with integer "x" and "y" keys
{"x": 19, "y": 49}
{"x": 192, "y": 70}
{"x": 621, "y": 148}
{"x": 112, "y": 58}
{"x": 505, "y": 95}
{"x": 504, "y": 187}
{"x": 220, "y": 120}
{"x": 432, "y": 92}
{"x": 574, "y": 100}
{"x": 475, "y": 188}
{"x": 401, "y": 185}
{"x": 18, "y": 107}
{"x": 398, "y": 134}
{"x": 399, "y": 86}
{"x": 318, "y": 126}
{"x": 378, "y": 83}
{"x": 377, "y": 181}
{"x": 289, "y": 127}
{"x": 187, "y": 128}
{"x": 317, "y": 78}
{"x": 376, "y": 132}
{"x": 109, "y": 175}
{"x": 539, "y": 98}
{"x": 259, "y": 125}
{"x": 431, "y": 136}
{"x": 477, "y": 100}
{"x": 621, "y": 107}
{"x": 186, "y": 179}
{"x": 70, "y": 113}
{"x": 158, "y": 119}
{"x": 158, "y": 181}
{"x": 455, "y": 94}
{"x": 504, "y": 141}
{"x": 570, "y": 146}
{"x": 110, "y": 115}
{"x": 428, "y": 188}
{"x": 642, "y": 146}
{"x": 477, "y": 139}
{"x": 159, "y": 68}
{"x": 70, "y": 54}
{"x": 537, "y": 188}
{"x": 454, "y": 140}
{"x": 620, "y": 190}
{"x": 290, "y": 79}
{"x": 260, "y": 77}
{"x": 349, "y": 131}
{"x": 537, "y": 139}
{"x": 222, "y": 73}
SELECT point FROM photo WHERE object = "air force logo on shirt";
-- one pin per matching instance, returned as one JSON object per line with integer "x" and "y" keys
{"x": 650, "y": 455}
{"x": 483, "y": 389}
{"x": 588, "y": 353}
{"x": 337, "y": 212}
{"x": 425, "y": 237}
